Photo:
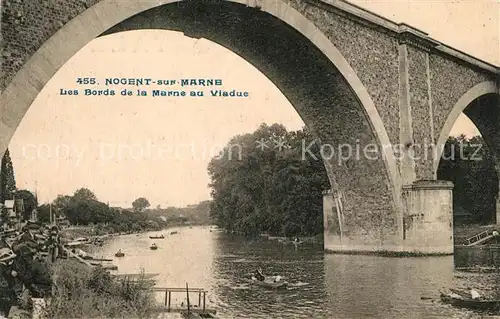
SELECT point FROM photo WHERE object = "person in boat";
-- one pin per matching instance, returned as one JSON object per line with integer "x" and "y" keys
{"x": 474, "y": 294}
{"x": 119, "y": 251}
{"x": 455, "y": 295}
{"x": 81, "y": 253}
{"x": 259, "y": 275}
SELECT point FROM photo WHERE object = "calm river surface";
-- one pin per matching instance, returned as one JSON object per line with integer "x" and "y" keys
{"x": 322, "y": 285}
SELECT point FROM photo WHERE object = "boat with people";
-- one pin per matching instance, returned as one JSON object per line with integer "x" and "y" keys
{"x": 157, "y": 237}
{"x": 153, "y": 247}
{"x": 461, "y": 299}
{"x": 269, "y": 282}
{"x": 194, "y": 315}
{"x": 119, "y": 253}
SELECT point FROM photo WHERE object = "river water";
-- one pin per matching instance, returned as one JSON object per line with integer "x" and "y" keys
{"x": 322, "y": 285}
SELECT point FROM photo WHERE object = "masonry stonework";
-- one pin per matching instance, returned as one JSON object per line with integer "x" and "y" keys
{"x": 355, "y": 78}
{"x": 450, "y": 80}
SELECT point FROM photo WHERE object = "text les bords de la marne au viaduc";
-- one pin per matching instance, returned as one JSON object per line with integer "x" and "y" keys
{"x": 91, "y": 86}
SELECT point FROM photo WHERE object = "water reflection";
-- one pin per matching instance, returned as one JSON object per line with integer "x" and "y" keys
{"x": 480, "y": 256}
{"x": 377, "y": 287}
{"x": 322, "y": 286}
{"x": 300, "y": 265}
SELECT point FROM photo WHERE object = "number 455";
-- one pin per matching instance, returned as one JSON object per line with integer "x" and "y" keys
{"x": 85, "y": 80}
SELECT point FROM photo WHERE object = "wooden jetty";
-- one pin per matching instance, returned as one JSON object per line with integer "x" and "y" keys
{"x": 190, "y": 311}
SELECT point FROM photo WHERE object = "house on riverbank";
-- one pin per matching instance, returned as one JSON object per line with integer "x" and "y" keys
{"x": 15, "y": 210}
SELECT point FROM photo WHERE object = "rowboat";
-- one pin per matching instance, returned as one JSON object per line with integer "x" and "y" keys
{"x": 173, "y": 233}
{"x": 119, "y": 254}
{"x": 153, "y": 247}
{"x": 469, "y": 303}
{"x": 194, "y": 315}
{"x": 268, "y": 283}
{"x": 156, "y": 237}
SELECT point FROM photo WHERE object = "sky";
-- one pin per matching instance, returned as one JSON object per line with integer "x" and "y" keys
{"x": 123, "y": 148}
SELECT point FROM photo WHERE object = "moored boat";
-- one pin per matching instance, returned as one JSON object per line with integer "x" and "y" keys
{"x": 153, "y": 247}
{"x": 157, "y": 237}
{"x": 469, "y": 303}
{"x": 194, "y": 315}
{"x": 119, "y": 253}
{"x": 173, "y": 233}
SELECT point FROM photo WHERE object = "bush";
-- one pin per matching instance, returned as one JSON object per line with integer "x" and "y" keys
{"x": 81, "y": 292}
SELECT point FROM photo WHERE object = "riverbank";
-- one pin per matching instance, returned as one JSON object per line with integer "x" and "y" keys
{"x": 89, "y": 231}
{"x": 318, "y": 239}
{"x": 74, "y": 232}
{"x": 462, "y": 232}
{"x": 82, "y": 292}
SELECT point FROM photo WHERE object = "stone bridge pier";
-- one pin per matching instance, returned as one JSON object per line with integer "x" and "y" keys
{"x": 386, "y": 90}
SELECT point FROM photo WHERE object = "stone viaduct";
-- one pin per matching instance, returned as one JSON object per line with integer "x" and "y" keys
{"x": 354, "y": 77}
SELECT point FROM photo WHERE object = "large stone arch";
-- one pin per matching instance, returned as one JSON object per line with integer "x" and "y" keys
{"x": 486, "y": 88}
{"x": 371, "y": 188}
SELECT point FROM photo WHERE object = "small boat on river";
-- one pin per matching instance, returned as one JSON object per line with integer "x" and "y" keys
{"x": 157, "y": 237}
{"x": 173, "y": 233}
{"x": 153, "y": 247}
{"x": 463, "y": 301}
{"x": 119, "y": 253}
{"x": 269, "y": 282}
{"x": 194, "y": 315}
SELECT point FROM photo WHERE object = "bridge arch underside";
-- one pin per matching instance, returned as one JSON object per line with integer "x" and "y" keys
{"x": 319, "y": 93}
{"x": 484, "y": 112}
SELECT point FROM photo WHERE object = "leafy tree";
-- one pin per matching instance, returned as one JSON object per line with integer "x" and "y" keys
{"x": 140, "y": 204}
{"x": 84, "y": 194}
{"x": 61, "y": 202}
{"x": 469, "y": 164}
{"x": 4, "y": 215}
{"x": 84, "y": 212}
{"x": 44, "y": 213}
{"x": 269, "y": 189}
{"x": 83, "y": 208}
{"x": 29, "y": 200}
{"x": 7, "y": 179}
